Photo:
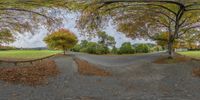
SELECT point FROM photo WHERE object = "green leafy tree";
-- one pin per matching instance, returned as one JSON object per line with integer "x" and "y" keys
{"x": 151, "y": 17}
{"x": 114, "y": 50}
{"x": 106, "y": 39}
{"x": 84, "y": 43}
{"x": 61, "y": 39}
{"x": 76, "y": 48}
{"x": 126, "y": 48}
{"x": 142, "y": 48}
{"x": 91, "y": 47}
{"x": 102, "y": 49}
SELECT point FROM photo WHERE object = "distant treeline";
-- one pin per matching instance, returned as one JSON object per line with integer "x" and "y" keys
{"x": 126, "y": 48}
{"x": 2, "y": 48}
{"x": 7, "y": 48}
{"x": 37, "y": 48}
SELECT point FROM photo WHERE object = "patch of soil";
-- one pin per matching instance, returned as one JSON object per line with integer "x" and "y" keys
{"x": 36, "y": 74}
{"x": 86, "y": 68}
{"x": 176, "y": 59}
{"x": 196, "y": 72}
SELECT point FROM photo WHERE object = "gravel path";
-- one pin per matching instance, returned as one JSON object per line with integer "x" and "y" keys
{"x": 134, "y": 78}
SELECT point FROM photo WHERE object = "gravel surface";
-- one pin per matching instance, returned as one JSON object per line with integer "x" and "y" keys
{"x": 134, "y": 78}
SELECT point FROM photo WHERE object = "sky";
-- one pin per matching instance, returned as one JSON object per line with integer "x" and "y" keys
{"x": 27, "y": 40}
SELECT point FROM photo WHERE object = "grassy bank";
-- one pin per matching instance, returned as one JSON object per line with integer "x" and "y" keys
{"x": 194, "y": 54}
{"x": 26, "y": 54}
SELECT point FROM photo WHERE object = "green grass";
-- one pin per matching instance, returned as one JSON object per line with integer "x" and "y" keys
{"x": 26, "y": 54}
{"x": 194, "y": 54}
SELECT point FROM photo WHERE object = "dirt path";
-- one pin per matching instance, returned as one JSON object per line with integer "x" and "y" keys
{"x": 134, "y": 78}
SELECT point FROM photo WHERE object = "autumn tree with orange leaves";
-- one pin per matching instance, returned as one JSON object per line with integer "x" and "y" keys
{"x": 63, "y": 39}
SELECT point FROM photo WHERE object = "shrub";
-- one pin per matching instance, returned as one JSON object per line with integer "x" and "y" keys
{"x": 91, "y": 47}
{"x": 102, "y": 49}
{"x": 76, "y": 48}
{"x": 114, "y": 50}
{"x": 156, "y": 48}
{"x": 126, "y": 48}
{"x": 142, "y": 48}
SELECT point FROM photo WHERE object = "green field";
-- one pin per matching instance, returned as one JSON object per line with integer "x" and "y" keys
{"x": 194, "y": 54}
{"x": 26, "y": 54}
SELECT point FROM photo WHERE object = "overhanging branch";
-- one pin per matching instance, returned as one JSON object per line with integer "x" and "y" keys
{"x": 24, "y": 10}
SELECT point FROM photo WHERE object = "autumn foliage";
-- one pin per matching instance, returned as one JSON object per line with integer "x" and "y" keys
{"x": 36, "y": 74}
{"x": 196, "y": 72}
{"x": 85, "y": 68}
{"x": 62, "y": 39}
{"x": 176, "y": 59}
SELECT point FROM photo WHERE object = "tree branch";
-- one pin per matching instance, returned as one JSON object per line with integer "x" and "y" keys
{"x": 24, "y": 10}
{"x": 143, "y": 1}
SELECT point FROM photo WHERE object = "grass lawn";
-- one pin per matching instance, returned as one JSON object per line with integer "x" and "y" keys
{"x": 26, "y": 54}
{"x": 194, "y": 54}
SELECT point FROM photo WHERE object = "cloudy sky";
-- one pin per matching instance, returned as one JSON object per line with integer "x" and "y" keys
{"x": 27, "y": 40}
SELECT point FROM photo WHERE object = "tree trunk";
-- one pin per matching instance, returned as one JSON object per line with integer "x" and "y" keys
{"x": 64, "y": 50}
{"x": 170, "y": 50}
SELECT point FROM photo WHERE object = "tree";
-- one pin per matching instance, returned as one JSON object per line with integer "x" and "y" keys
{"x": 151, "y": 17}
{"x": 26, "y": 16}
{"x": 126, "y": 48}
{"x": 84, "y": 43}
{"x": 6, "y": 37}
{"x": 142, "y": 48}
{"x": 91, "y": 47}
{"x": 114, "y": 50}
{"x": 61, "y": 39}
{"x": 76, "y": 48}
{"x": 106, "y": 39}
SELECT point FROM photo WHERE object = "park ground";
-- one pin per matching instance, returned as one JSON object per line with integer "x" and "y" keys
{"x": 131, "y": 77}
{"x": 194, "y": 54}
{"x": 26, "y": 54}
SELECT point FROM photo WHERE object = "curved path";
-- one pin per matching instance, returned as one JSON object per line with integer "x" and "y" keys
{"x": 134, "y": 78}
{"x": 118, "y": 60}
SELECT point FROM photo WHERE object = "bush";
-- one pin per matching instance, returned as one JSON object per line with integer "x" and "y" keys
{"x": 91, "y": 47}
{"x": 76, "y": 48}
{"x": 114, "y": 50}
{"x": 126, "y": 48}
{"x": 156, "y": 48}
{"x": 102, "y": 49}
{"x": 142, "y": 48}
